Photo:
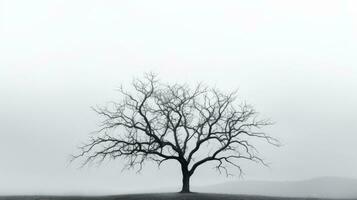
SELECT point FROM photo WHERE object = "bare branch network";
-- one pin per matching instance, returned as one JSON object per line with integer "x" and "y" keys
{"x": 161, "y": 122}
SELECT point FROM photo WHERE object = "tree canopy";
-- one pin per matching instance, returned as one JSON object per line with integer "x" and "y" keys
{"x": 156, "y": 121}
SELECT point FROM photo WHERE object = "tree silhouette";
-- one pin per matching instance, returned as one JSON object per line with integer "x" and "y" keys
{"x": 161, "y": 122}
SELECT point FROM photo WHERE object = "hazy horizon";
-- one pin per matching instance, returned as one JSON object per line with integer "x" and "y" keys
{"x": 293, "y": 61}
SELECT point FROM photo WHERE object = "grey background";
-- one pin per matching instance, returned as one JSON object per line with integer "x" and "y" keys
{"x": 295, "y": 61}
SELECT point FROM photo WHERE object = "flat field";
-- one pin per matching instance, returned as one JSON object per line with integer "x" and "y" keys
{"x": 156, "y": 196}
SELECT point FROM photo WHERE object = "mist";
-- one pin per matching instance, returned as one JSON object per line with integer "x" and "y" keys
{"x": 294, "y": 61}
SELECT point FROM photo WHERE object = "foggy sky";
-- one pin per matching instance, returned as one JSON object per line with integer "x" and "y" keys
{"x": 294, "y": 61}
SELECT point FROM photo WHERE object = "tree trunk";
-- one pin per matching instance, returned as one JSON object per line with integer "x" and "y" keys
{"x": 185, "y": 180}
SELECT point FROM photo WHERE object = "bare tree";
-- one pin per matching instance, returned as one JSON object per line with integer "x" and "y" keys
{"x": 161, "y": 122}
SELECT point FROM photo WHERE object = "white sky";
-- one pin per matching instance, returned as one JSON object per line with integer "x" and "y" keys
{"x": 294, "y": 60}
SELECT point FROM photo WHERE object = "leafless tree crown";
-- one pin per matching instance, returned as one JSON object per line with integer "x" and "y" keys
{"x": 161, "y": 122}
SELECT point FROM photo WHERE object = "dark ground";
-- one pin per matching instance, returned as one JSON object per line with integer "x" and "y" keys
{"x": 162, "y": 196}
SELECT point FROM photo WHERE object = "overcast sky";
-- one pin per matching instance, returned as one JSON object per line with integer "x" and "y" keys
{"x": 295, "y": 61}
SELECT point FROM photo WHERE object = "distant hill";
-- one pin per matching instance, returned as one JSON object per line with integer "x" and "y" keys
{"x": 324, "y": 187}
{"x": 314, "y": 189}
